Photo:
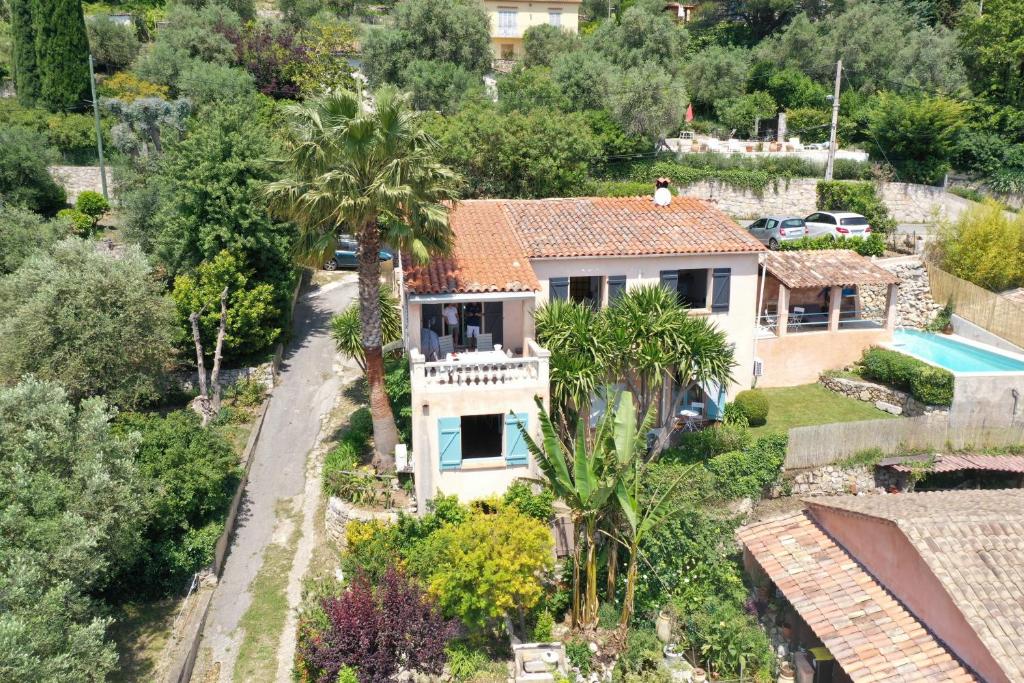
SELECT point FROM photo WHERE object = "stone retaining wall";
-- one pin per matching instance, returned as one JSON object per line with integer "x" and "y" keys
{"x": 78, "y": 179}
{"x": 907, "y": 203}
{"x": 885, "y": 398}
{"x": 832, "y": 480}
{"x": 230, "y": 376}
{"x": 339, "y": 513}
{"x": 914, "y": 304}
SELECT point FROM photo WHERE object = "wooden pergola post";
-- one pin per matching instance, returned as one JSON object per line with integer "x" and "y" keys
{"x": 835, "y": 301}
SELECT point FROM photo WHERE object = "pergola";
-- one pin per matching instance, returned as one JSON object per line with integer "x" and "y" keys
{"x": 832, "y": 269}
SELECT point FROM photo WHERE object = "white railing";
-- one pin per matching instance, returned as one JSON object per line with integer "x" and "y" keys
{"x": 463, "y": 371}
{"x": 507, "y": 32}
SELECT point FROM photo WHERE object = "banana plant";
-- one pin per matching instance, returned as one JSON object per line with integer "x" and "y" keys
{"x": 583, "y": 473}
{"x": 638, "y": 512}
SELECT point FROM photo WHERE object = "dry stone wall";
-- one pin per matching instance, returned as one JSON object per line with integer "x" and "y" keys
{"x": 884, "y": 398}
{"x": 907, "y": 203}
{"x": 230, "y": 376}
{"x": 77, "y": 179}
{"x": 914, "y": 304}
{"x": 832, "y": 480}
{"x": 339, "y": 513}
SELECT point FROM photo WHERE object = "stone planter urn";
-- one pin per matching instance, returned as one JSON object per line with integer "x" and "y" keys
{"x": 673, "y": 656}
{"x": 786, "y": 674}
{"x": 699, "y": 675}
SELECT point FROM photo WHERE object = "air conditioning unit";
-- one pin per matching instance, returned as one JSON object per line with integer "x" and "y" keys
{"x": 758, "y": 367}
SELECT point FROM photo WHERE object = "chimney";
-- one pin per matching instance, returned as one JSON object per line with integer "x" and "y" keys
{"x": 662, "y": 195}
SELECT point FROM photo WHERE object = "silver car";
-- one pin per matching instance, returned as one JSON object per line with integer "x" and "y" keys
{"x": 771, "y": 230}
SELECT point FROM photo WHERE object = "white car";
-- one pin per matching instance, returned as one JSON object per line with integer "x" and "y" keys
{"x": 837, "y": 224}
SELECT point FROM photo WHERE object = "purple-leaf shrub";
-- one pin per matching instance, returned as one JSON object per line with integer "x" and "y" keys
{"x": 377, "y": 631}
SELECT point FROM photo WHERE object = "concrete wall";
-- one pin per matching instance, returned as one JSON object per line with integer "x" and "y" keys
{"x": 988, "y": 398}
{"x": 907, "y": 203}
{"x": 965, "y": 328}
{"x": 800, "y": 357}
{"x": 887, "y": 554}
{"x": 737, "y": 323}
{"x": 529, "y": 14}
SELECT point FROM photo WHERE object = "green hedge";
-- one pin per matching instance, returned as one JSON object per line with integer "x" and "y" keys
{"x": 858, "y": 197}
{"x": 873, "y": 245}
{"x": 926, "y": 383}
{"x": 746, "y": 473}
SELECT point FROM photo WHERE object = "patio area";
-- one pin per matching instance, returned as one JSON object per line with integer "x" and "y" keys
{"x": 812, "y": 315}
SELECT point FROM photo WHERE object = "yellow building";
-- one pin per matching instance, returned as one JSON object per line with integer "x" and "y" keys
{"x": 510, "y": 19}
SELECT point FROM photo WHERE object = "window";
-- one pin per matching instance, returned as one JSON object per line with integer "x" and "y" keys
{"x": 586, "y": 290}
{"x": 771, "y": 224}
{"x": 757, "y": 225}
{"x": 857, "y": 220}
{"x": 555, "y": 17}
{"x": 506, "y": 21}
{"x": 508, "y": 51}
{"x": 793, "y": 223}
{"x": 690, "y": 285}
{"x": 481, "y": 436}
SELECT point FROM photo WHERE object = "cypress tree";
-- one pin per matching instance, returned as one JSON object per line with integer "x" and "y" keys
{"x": 26, "y": 72}
{"x": 62, "y": 53}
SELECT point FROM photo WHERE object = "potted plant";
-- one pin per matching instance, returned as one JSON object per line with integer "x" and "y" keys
{"x": 699, "y": 675}
{"x": 786, "y": 674}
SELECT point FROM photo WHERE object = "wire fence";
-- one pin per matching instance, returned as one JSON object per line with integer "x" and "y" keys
{"x": 997, "y": 314}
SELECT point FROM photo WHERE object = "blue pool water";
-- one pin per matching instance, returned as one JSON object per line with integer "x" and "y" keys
{"x": 952, "y": 354}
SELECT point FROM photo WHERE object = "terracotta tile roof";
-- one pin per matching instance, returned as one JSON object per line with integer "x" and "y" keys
{"x": 957, "y": 462}
{"x": 870, "y": 633}
{"x": 973, "y": 541}
{"x": 624, "y": 226}
{"x": 826, "y": 268}
{"x": 486, "y": 257}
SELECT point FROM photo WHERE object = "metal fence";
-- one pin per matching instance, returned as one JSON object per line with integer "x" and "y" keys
{"x": 819, "y": 445}
{"x": 995, "y": 313}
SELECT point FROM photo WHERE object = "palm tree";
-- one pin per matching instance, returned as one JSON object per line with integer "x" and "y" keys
{"x": 347, "y": 330}
{"x": 582, "y": 472}
{"x": 372, "y": 171}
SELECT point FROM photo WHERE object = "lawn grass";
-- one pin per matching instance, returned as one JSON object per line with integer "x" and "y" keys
{"x": 264, "y": 621}
{"x": 140, "y": 632}
{"x": 813, "y": 404}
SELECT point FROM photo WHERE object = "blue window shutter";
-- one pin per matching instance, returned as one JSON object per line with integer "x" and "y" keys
{"x": 716, "y": 401}
{"x": 616, "y": 287}
{"x": 516, "y": 452}
{"x": 558, "y": 288}
{"x": 449, "y": 442}
{"x": 670, "y": 280}
{"x": 720, "y": 289}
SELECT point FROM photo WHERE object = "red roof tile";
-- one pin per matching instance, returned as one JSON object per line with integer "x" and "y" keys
{"x": 870, "y": 633}
{"x": 957, "y": 462}
{"x": 486, "y": 257}
{"x": 495, "y": 238}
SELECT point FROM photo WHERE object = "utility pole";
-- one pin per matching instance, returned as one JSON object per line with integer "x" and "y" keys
{"x": 99, "y": 129}
{"x": 835, "y": 123}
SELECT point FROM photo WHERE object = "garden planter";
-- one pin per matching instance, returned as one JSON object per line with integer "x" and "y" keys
{"x": 786, "y": 674}
{"x": 699, "y": 676}
{"x": 663, "y": 627}
{"x": 673, "y": 656}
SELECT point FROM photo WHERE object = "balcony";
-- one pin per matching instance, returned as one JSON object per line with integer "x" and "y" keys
{"x": 475, "y": 369}
{"x": 508, "y": 32}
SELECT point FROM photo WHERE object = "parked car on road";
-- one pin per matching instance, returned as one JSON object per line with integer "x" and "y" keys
{"x": 772, "y": 230}
{"x": 837, "y": 224}
{"x": 346, "y": 255}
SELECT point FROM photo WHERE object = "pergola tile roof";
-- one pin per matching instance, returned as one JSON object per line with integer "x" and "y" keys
{"x": 869, "y": 632}
{"x": 826, "y": 268}
{"x": 957, "y": 462}
{"x": 973, "y": 542}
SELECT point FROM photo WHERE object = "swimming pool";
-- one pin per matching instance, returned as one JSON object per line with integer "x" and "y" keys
{"x": 953, "y": 354}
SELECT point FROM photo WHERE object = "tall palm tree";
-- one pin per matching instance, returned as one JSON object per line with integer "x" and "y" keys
{"x": 371, "y": 171}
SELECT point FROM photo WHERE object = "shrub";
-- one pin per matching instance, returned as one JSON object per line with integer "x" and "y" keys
{"x": 753, "y": 404}
{"x": 707, "y": 443}
{"x": 542, "y": 630}
{"x": 729, "y": 640}
{"x": 859, "y": 197}
{"x": 873, "y": 245}
{"x": 746, "y": 473}
{"x": 925, "y": 382}
{"x": 247, "y": 393}
{"x": 113, "y": 45}
{"x": 376, "y": 630}
{"x": 540, "y": 505}
{"x": 92, "y": 204}
{"x": 464, "y": 662}
{"x": 579, "y": 655}
{"x": 642, "y": 654}
{"x": 80, "y": 223}
{"x": 984, "y": 246}
{"x": 22, "y": 233}
{"x": 398, "y": 385}
{"x": 128, "y": 87}
{"x": 24, "y": 178}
